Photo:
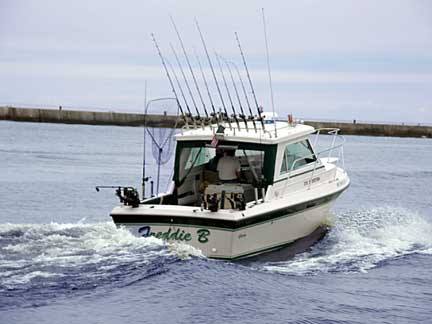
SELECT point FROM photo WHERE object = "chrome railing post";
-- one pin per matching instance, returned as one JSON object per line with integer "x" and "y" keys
{"x": 317, "y": 137}
{"x": 334, "y": 132}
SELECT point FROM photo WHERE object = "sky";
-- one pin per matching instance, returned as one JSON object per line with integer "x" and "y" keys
{"x": 337, "y": 60}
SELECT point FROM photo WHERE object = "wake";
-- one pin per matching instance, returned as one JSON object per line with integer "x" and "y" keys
{"x": 48, "y": 259}
{"x": 362, "y": 240}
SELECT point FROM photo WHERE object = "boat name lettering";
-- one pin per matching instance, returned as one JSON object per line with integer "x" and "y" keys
{"x": 175, "y": 235}
{"x": 203, "y": 235}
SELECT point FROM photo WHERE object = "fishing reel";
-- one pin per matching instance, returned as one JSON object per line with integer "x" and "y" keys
{"x": 212, "y": 202}
{"x": 237, "y": 201}
{"x": 128, "y": 195}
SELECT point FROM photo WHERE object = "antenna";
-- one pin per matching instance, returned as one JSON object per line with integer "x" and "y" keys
{"x": 226, "y": 87}
{"x": 190, "y": 67}
{"x": 250, "y": 82}
{"x": 214, "y": 75}
{"x": 144, "y": 143}
{"x": 245, "y": 94}
{"x": 268, "y": 69}
{"x": 242, "y": 115}
{"x": 186, "y": 82}
{"x": 170, "y": 81}
{"x": 206, "y": 85}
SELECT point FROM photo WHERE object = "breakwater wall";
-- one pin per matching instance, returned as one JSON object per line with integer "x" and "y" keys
{"x": 367, "y": 129}
{"x": 130, "y": 119}
{"x": 63, "y": 116}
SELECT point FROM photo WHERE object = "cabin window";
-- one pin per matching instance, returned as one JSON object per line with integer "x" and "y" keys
{"x": 297, "y": 155}
{"x": 194, "y": 156}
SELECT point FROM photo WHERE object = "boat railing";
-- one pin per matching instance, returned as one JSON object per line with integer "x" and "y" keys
{"x": 328, "y": 151}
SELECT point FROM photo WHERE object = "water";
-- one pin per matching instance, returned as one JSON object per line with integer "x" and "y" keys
{"x": 63, "y": 261}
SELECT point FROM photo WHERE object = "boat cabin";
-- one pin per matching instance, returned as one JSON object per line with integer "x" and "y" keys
{"x": 257, "y": 159}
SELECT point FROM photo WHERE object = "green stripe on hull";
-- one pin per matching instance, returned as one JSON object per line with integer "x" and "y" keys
{"x": 224, "y": 224}
{"x": 218, "y": 228}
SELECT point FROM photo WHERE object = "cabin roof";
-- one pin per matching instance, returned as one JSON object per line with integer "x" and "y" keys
{"x": 284, "y": 131}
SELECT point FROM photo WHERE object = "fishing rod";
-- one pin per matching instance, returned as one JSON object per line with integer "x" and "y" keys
{"x": 171, "y": 83}
{"x": 250, "y": 82}
{"x": 207, "y": 88}
{"x": 181, "y": 91}
{"x": 229, "y": 95}
{"x": 213, "y": 72}
{"x": 190, "y": 67}
{"x": 242, "y": 115}
{"x": 246, "y": 96}
{"x": 186, "y": 82}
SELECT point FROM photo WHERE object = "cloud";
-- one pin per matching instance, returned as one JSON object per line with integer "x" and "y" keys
{"x": 155, "y": 72}
{"x": 324, "y": 54}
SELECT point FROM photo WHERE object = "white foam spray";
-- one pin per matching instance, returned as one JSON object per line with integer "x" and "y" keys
{"x": 361, "y": 240}
{"x": 37, "y": 251}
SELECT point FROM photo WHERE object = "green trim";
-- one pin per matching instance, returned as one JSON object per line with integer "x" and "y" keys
{"x": 269, "y": 164}
{"x": 177, "y": 224}
{"x": 269, "y": 220}
{"x": 177, "y": 163}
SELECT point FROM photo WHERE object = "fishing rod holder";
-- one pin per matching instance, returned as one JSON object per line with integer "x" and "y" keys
{"x": 152, "y": 189}
{"x": 128, "y": 195}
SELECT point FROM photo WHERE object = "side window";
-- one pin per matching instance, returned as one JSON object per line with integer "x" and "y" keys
{"x": 297, "y": 155}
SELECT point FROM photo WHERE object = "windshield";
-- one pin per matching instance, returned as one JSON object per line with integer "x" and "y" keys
{"x": 193, "y": 158}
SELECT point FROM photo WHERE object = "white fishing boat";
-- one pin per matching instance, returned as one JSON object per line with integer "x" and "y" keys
{"x": 284, "y": 192}
{"x": 242, "y": 184}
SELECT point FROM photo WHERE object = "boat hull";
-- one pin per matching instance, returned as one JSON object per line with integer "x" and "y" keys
{"x": 236, "y": 243}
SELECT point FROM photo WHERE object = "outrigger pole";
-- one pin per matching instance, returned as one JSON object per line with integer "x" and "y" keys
{"x": 242, "y": 115}
{"x": 250, "y": 82}
{"x": 190, "y": 67}
{"x": 229, "y": 95}
{"x": 171, "y": 83}
{"x": 213, "y": 72}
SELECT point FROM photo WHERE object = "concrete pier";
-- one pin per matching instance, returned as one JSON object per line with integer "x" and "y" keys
{"x": 376, "y": 129}
{"x": 63, "y": 116}
{"x": 129, "y": 119}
